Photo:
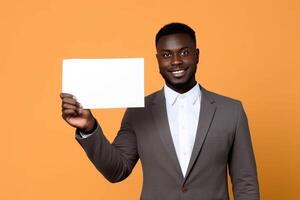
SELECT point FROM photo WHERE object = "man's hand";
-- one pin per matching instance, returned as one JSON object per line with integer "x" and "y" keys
{"x": 74, "y": 115}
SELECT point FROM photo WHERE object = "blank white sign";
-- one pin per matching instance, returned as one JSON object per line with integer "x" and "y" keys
{"x": 105, "y": 83}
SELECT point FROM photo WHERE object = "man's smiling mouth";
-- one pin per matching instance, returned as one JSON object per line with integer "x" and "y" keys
{"x": 178, "y": 73}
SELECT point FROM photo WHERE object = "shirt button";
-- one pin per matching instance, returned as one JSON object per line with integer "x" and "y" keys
{"x": 183, "y": 189}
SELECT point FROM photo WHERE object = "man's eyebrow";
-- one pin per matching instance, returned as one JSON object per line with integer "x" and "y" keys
{"x": 168, "y": 50}
{"x": 165, "y": 50}
{"x": 184, "y": 48}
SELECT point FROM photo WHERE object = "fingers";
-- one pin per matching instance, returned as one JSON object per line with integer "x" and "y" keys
{"x": 69, "y": 112}
{"x": 62, "y": 95}
{"x": 69, "y": 99}
{"x": 70, "y": 106}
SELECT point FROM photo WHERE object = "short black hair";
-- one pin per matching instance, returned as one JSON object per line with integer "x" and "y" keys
{"x": 174, "y": 28}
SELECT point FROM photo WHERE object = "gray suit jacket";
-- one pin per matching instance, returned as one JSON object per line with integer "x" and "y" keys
{"x": 222, "y": 145}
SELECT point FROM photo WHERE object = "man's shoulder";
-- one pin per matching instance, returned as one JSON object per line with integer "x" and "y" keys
{"x": 220, "y": 99}
{"x": 227, "y": 106}
{"x": 151, "y": 97}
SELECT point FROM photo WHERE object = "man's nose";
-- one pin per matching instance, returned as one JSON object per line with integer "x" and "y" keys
{"x": 176, "y": 59}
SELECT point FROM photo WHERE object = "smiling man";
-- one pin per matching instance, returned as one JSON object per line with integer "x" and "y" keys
{"x": 177, "y": 57}
{"x": 187, "y": 138}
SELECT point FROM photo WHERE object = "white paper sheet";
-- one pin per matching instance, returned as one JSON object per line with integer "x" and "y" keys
{"x": 105, "y": 83}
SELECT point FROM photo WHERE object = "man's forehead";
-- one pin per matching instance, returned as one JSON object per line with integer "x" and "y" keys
{"x": 175, "y": 41}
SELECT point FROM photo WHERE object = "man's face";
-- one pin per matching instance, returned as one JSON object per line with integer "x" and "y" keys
{"x": 177, "y": 58}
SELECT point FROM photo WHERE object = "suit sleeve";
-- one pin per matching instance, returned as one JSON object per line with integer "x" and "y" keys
{"x": 115, "y": 161}
{"x": 242, "y": 166}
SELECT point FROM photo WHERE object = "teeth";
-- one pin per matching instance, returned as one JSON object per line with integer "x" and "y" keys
{"x": 178, "y": 72}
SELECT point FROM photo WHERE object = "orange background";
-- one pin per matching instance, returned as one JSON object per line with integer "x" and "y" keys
{"x": 249, "y": 51}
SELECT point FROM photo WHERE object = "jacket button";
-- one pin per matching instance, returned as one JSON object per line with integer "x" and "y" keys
{"x": 183, "y": 189}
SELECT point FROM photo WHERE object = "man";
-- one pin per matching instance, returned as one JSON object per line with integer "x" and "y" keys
{"x": 186, "y": 137}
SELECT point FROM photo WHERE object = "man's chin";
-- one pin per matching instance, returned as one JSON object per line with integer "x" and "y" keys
{"x": 177, "y": 83}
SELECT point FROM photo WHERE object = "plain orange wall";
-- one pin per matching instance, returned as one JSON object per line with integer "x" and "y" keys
{"x": 249, "y": 51}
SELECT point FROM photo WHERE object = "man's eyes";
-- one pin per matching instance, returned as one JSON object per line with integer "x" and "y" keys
{"x": 166, "y": 54}
{"x": 182, "y": 53}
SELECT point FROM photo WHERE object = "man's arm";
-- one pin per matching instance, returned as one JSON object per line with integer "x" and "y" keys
{"x": 115, "y": 161}
{"x": 242, "y": 166}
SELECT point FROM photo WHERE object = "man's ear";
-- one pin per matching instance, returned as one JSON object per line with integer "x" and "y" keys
{"x": 197, "y": 55}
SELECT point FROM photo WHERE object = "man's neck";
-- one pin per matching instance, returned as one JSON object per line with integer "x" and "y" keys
{"x": 182, "y": 88}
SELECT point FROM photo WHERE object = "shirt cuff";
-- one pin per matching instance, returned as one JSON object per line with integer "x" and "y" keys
{"x": 83, "y": 135}
{"x": 89, "y": 133}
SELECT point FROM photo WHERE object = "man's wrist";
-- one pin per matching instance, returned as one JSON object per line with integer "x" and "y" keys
{"x": 90, "y": 128}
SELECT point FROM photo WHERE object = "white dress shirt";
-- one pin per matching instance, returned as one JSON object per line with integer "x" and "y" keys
{"x": 183, "y": 112}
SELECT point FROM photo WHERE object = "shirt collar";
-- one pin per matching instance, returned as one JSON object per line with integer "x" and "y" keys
{"x": 192, "y": 95}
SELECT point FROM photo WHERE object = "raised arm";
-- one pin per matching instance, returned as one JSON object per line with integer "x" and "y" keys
{"x": 115, "y": 161}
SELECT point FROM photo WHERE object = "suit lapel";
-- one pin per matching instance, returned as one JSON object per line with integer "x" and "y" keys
{"x": 160, "y": 117}
{"x": 207, "y": 111}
